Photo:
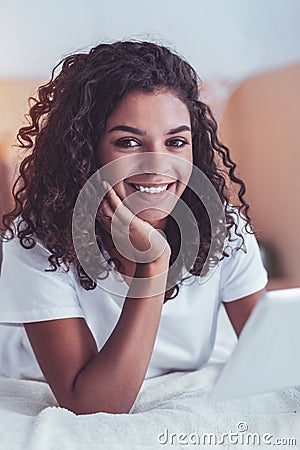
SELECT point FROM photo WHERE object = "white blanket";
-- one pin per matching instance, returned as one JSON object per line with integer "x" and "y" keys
{"x": 165, "y": 407}
{"x": 173, "y": 403}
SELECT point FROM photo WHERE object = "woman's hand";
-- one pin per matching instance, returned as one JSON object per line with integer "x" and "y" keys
{"x": 126, "y": 229}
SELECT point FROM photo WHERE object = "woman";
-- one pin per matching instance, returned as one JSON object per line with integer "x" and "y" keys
{"x": 134, "y": 105}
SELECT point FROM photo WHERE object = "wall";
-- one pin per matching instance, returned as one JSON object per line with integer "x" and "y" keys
{"x": 13, "y": 105}
{"x": 261, "y": 126}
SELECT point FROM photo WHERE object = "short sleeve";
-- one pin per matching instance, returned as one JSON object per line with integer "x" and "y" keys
{"x": 242, "y": 272}
{"x": 28, "y": 293}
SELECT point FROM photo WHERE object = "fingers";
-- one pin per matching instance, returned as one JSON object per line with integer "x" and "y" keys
{"x": 117, "y": 206}
{"x": 111, "y": 195}
{"x": 105, "y": 210}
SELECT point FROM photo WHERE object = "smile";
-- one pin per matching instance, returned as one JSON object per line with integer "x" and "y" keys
{"x": 151, "y": 190}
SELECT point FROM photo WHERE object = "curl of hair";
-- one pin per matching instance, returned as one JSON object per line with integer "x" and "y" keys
{"x": 67, "y": 120}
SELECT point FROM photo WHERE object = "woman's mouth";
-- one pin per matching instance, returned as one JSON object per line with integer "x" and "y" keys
{"x": 149, "y": 191}
{"x": 152, "y": 188}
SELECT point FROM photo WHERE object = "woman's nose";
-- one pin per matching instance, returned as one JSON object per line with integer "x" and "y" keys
{"x": 155, "y": 161}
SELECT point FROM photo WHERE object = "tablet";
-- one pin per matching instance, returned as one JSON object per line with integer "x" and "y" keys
{"x": 266, "y": 357}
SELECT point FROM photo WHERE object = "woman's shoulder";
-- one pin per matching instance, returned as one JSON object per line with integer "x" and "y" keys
{"x": 242, "y": 270}
{"x": 240, "y": 232}
{"x": 30, "y": 290}
{"x": 30, "y": 248}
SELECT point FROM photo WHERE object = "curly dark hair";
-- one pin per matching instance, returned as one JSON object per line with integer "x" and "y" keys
{"x": 66, "y": 122}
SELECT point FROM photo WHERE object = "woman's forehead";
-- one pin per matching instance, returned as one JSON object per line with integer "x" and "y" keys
{"x": 143, "y": 109}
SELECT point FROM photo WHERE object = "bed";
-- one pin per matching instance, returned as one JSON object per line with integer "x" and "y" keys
{"x": 171, "y": 411}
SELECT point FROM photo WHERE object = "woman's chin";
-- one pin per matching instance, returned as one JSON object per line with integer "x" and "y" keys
{"x": 156, "y": 218}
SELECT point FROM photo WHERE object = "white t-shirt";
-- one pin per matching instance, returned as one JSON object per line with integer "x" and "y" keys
{"x": 187, "y": 327}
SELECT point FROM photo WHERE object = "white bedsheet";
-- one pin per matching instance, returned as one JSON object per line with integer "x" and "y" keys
{"x": 31, "y": 420}
{"x": 174, "y": 403}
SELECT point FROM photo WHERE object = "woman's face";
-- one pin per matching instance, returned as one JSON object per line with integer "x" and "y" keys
{"x": 148, "y": 139}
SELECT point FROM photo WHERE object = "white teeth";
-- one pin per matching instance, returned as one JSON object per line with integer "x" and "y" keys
{"x": 151, "y": 190}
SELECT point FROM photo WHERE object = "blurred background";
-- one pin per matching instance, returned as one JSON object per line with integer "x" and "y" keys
{"x": 248, "y": 57}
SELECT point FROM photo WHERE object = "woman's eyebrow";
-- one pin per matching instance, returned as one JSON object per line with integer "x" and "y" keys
{"x": 179, "y": 129}
{"x": 142, "y": 132}
{"x": 129, "y": 129}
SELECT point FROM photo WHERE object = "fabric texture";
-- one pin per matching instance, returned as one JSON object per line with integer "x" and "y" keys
{"x": 171, "y": 411}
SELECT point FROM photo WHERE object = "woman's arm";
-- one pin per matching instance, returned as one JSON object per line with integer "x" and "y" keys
{"x": 239, "y": 310}
{"x": 83, "y": 379}
{"x": 87, "y": 381}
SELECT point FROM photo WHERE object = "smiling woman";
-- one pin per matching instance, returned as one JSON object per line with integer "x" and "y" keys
{"x": 131, "y": 112}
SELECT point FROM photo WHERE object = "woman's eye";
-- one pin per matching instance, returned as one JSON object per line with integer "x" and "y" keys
{"x": 127, "y": 143}
{"x": 176, "y": 143}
